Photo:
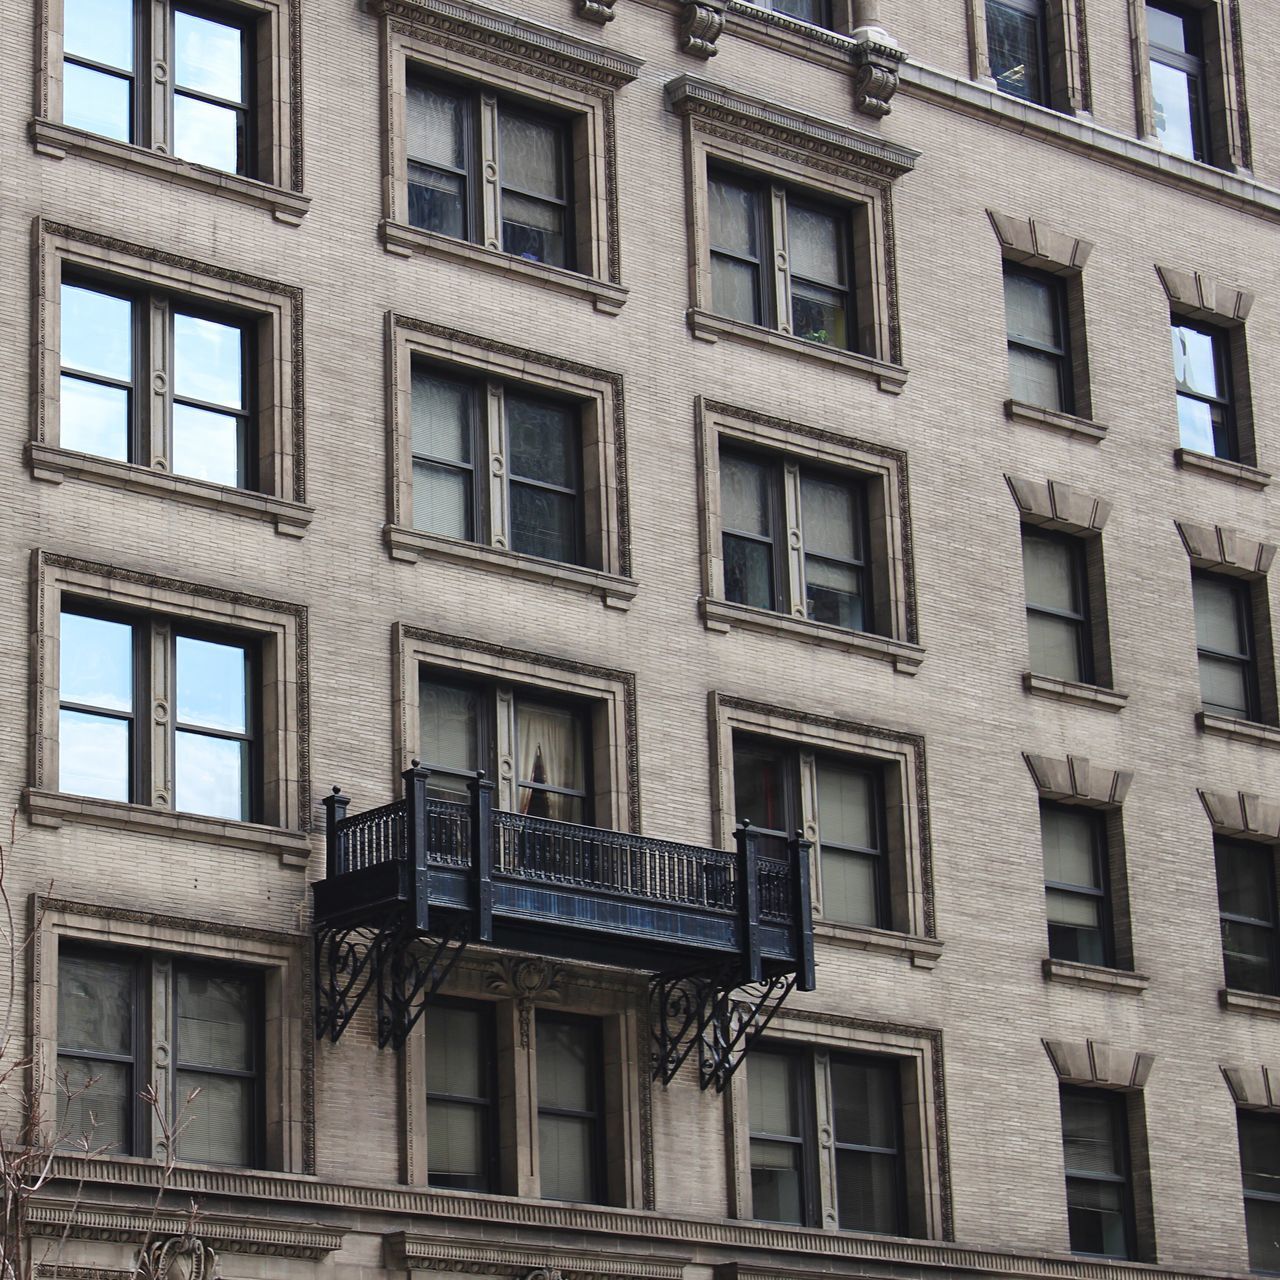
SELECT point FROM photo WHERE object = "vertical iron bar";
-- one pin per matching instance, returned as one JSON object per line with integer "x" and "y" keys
{"x": 749, "y": 901}
{"x": 335, "y": 809}
{"x": 802, "y": 909}
{"x": 482, "y": 857}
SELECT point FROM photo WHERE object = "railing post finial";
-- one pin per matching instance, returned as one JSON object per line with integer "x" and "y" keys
{"x": 335, "y": 809}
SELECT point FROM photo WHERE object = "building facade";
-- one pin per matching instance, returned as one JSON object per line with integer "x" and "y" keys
{"x": 853, "y": 418}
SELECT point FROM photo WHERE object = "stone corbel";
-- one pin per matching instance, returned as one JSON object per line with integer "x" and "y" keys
{"x": 1098, "y": 1065}
{"x": 1077, "y": 781}
{"x": 701, "y": 22}
{"x": 600, "y": 11}
{"x": 1225, "y": 551}
{"x": 1254, "y": 1088}
{"x": 1241, "y": 813}
{"x": 1056, "y": 505}
{"x": 876, "y": 58}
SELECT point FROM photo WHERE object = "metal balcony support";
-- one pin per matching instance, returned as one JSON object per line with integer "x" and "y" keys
{"x": 413, "y": 968}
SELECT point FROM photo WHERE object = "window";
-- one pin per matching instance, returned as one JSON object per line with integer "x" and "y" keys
{"x": 213, "y": 1094}
{"x": 1175, "y": 43}
{"x": 862, "y": 1095}
{"x": 458, "y": 426}
{"x": 1095, "y": 1147}
{"x": 1260, "y": 1170}
{"x": 569, "y": 1108}
{"x": 1076, "y": 884}
{"x": 1201, "y": 371}
{"x": 1040, "y": 371}
{"x": 761, "y": 499}
{"x": 1058, "y": 628}
{"x": 461, "y": 1097}
{"x": 1247, "y": 908}
{"x": 816, "y": 12}
{"x": 806, "y": 290}
{"x": 1224, "y": 643}
{"x": 1017, "y": 49}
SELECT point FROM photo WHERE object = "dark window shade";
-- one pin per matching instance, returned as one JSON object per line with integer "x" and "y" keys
{"x": 1077, "y": 890}
{"x": 1036, "y": 323}
{"x": 1260, "y": 1170}
{"x": 1095, "y": 1147}
{"x": 780, "y": 1146}
{"x": 1053, "y": 567}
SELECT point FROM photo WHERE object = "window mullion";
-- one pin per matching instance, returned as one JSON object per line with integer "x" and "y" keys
{"x": 794, "y": 572}
{"x": 505, "y": 747}
{"x": 821, "y": 1171}
{"x": 490, "y": 191}
{"x": 807, "y": 820}
{"x": 154, "y": 448}
{"x": 779, "y": 268}
{"x": 156, "y": 1054}
{"x": 156, "y": 756}
{"x": 155, "y": 75}
{"x": 494, "y": 438}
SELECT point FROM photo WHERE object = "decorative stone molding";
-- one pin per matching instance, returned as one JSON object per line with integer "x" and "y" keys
{"x": 1098, "y": 1064}
{"x": 701, "y": 22}
{"x": 1076, "y": 781}
{"x": 1254, "y": 1088}
{"x": 408, "y": 1251}
{"x": 1225, "y": 550}
{"x": 526, "y": 981}
{"x": 876, "y": 61}
{"x": 1054, "y": 505}
{"x": 1035, "y": 243}
{"x": 184, "y": 1257}
{"x": 600, "y": 11}
{"x": 1200, "y": 298}
{"x": 1241, "y": 813}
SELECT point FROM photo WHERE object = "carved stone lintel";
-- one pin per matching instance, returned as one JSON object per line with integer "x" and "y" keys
{"x": 876, "y": 60}
{"x": 184, "y": 1257}
{"x": 525, "y": 981}
{"x": 701, "y": 22}
{"x": 600, "y": 11}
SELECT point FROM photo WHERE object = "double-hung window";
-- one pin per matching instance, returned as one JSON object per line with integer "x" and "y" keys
{"x": 1260, "y": 1169}
{"x": 1058, "y": 627}
{"x": 1040, "y": 369}
{"x": 461, "y": 1081}
{"x": 781, "y": 259}
{"x": 535, "y": 507}
{"x": 570, "y": 1108}
{"x": 112, "y": 667}
{"x": 1095, "y": 1146}
{"x": 1018, "y": 49}
{"x": 457, "y": 135}
{"x": 1225, "y": 645}
{"x": 174, "y": 77}
{"x": 824, "y": 578}
{"x": 1077, "y": 884}
{"x": 1247, "y": 909}
{"x": 1202, "y": 374}
{"x": 1175, "y": 45}
{"x": 213, "y": 1096}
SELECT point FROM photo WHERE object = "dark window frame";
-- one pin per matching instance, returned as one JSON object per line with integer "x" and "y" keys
{"x": 1226, "y": 436}
{"x": 1247, "y": 659}
{"x": 596, "y": 1115}
{"x": 1192, "y": 64}
{"x": 491, "y": 1119}
{"x": 1037, "y": 10}
{"x": 1101, "y": 853}
{"x": 1080, "y": 619}
{"x": 780, "y": 6}
{"x": 1117, "y": 1106}
{"x": 878, "y": 857}
{"x": 800, "y": 1075}
{"x": 891, "y": 1068}
{"x": 1062, "y": 353}
{"x": 1271, "y": 923}
{"x": 1254, "y": 1195}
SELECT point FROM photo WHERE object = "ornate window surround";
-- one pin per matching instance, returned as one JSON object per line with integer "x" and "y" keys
{"x": 605, "y": 488}
{"x": 281, "y": 630}
{"x": 280, "y": 420}
{"x": 506, "y": 54}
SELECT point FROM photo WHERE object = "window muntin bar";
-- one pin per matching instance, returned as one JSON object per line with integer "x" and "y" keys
{"x": 96, "y": 731}
{"x": 213, "y": 750}
{"x": 866, "y": 1106}
{"x": 1175, "y": 48}
{"x": 1259, "y": 1134}
{"x": 211, "y": 75}
{"x": 570, "y": 1110}
{"x": 1224, "y": 645}
{"x": 852, "y": 859}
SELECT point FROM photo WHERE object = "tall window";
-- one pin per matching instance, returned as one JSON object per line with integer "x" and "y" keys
{"x": 761, "y": 497}
{"x": 1201, "y": 370}
{"x": 781, "y": 1144}
{"x": 456, "y": 135}
{"x": 1247, "y": 907}
{"x": 461, "y": 1092}
{"x": 1035, "y": 312}
{"x": 1260, "y": 1169}
{"x": 806, "y": 290}
{"x": 201, "y": 427}
{"x": 1017, "y": 48}
{"x": 458, "y": 426}
{"x": 1095, "y": 1148}
{"x": 1053, "y": 567}
{"x": 1175, "y": 43}
{"x": 105, "y": 1006}
{"x": 1224, "y": 643}
{"x": 1076, "y": 884}
{"x": 570, "y": 1108}
{"x": 113, "y": 75}
{"x": 109, "y": 670}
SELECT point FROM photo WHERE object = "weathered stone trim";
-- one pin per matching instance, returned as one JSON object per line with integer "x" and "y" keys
{"x": 1099, "y": 977}
{"x": 1097, "y": 1064}
{"x": 1076, "y": 781}
{"x": 1241, "y": 814}
{"x": 1254, "y": 1088}
{"x": 1034, "y": 243}
{"x": 406, "y": 1251}
{"x": 1070, "y": 425}
{"x": 1053, "y": 505}
{"x": 1225, "y": 550}
{"x": 1240, "y": 474}
{"x": 1198, "y": 297}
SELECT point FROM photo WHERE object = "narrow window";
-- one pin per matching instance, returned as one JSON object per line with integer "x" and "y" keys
{"x": 1176, "y": 49}
{"x": 1206, "y": 418}
{"x": 97, "y": 386}
{"x": 780, "y": 1148}
{"x": 1039, "y": 360}
{"x": 1247, "y": 907}
{"x": 460, "y": 1098}
{"x": 569, "y": 1069}
{"x": 1053, "y": 567}
{"x": 749, "y": 517}
{"x": 1095, "y": 1147}
{"x": 453, "y": 718}
{"x": 552, "y": 762}
{"x": 96, "y": 730}
{"x": 855, "y": 881}
{"x": 211, "y": 70}
{"x": 444, "y": 415}
{"x": 867, "y": 1108}
{"x": 1075, "y": 884}
{"x": 98, "y": 58}
{"x": 440, "y": 139}
{"x": 210, "y": 400}
{"x": 545, "y": 485}
{"x": 738, "y": 242}
{"x": 818, "y": 241}
{"x": 1260, "y": 1167}
{"x": 765, "y": 792}
{"x": 1017, "y": 48}
{"x": 833, "y": 531}
{"x": 1224, "y": 643}
{"x": 533, "y": 165}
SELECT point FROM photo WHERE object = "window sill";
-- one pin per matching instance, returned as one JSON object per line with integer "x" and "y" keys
{"x": 1238, "y": 473}
{"x": 1250, "y": 1002}
{"x": 1097, "y": 976}
{"x": 59, "y": 140}
{"x": 890, "y": 378}
{"x": 1219, "y": 726}
{"x": 721, "y": 615}
{"x": 922, "y": 952}
{"x": 54, "y": 465}
{"x": 413, "y": 544}
{"x": 1033, "y": 416}
{"x": 406, "y": 241}
{"x": 1084, "y": 695}
{"x": 53, "y": 808}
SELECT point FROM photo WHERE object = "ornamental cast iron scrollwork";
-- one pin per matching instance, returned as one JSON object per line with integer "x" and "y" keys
{"x": 414, "y": 971}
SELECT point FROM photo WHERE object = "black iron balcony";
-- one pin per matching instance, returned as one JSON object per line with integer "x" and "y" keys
{"x": 411, "y": 882}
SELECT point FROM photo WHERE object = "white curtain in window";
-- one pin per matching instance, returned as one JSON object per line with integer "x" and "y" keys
{"x": 550, "y": 754}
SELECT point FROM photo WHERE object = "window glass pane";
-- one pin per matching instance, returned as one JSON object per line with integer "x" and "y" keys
{"x": 830, "y": 516}
{"x": 542, "y": 440}
{"x": 455, "y": 1058}
{"x": 744, "y": 495}
{"x": 97, "y": 332}
{"x": 216, "y": 1126}
{"x": 1198, "y": 426}
{"x": 1219, "y": 625}
{"x": 531, "y": 155}
{"x": 550, "y": 753}
{"x": 95, "y": 662}
{"x": 207, "y": 446}
{"x": 1262, "y": 1223}
{"x": 748, "y": 572}
{"x": 208, "y": 56}
{"x": 1036, "y": 378}
{"x": 437, "y": 201}
{"x": 1054, "y": 647}
{"x": 816, "y": 244}
{"x": 450, "y": 716}
{"x": 1030, "y": 308}
{"x": 1248, "y": 956}
{"x": 1067, "y": 838}
{"x": 442, "y": 410}
{"x": 1089, "y": 1138}
{"x": 215, "y": 1020}
{"x": 442, "y": 501}
{"x": 1168, "y": 30}
{"x": 776, "y": 1187}
{"x": 456, "y": 1145}
{"x": 867, "y": 1192}
{"x": 207, "y": 134}
{"x": 1245, "y": 879}
{"x": 208, "y": 361}
{"x": 93, "y": 755}
{"x": 213, "y": 684}
{"x": 818, "y": 315}
{"x": 533, "y": 229}
{"x": 849, "y": 888}
{"x": 94, "y": 1105}
{"x": 544, "y": 523}
{"x": 437, "y": 125}
{"x": 759, "y": 792}
{"x": 1172, "y": 109}
{"x": 735, "y": 290}
{"x": 95, "y": 1004}
{"x": 734, "y": 211}
{"x": 93, "y": 418}
{"x": 566, "y": 1065}
{"x": 773, "y": 1094}
{"x": 211, "y": 776}
{"x": 1049, "y": 573}
{"x": 565, "y": 1165}
{"x": 1013, "y": 48}
{"x": 864, "y": 1098}
{"x": 1224, "y": 686}
{"x": 846, "y": 807}
{"x": 1195, "y": 366}
{"x": 97, "y": 102}
{"x": 833, "y": 594}
{"x": 1260, "y": 1152}
{"x": 1073, "y": 911}
{"x": 101, "y": 30}
{"x": 1095, "y": 1218}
